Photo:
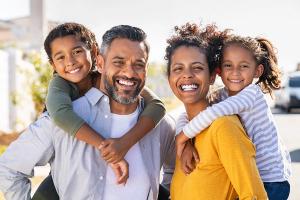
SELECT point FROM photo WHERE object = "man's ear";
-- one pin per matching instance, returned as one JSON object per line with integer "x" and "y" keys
{"x": 100, "y": 63}
{"x": 259, "y": 71}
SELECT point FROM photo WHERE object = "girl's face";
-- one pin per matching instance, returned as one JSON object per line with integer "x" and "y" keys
{"x": 238, "y": 68}
{"x": 70, "y": 58}
{"x": 189, "y": 76}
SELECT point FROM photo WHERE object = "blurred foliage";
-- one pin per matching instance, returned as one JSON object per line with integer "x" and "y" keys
{"x": 37, "y": 80}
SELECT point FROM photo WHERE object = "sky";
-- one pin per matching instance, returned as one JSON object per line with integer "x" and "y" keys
{"x": 277, "y": 20}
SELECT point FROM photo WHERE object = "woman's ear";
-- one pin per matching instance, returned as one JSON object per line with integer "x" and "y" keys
{"x": 259, "y": 71}
{"x": 100, "y": 63}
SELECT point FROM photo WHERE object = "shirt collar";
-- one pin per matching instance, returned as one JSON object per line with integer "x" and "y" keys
{"x": 94, "y": 95}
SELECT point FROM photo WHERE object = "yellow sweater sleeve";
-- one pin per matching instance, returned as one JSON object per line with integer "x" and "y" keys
{"x": 237, "y": 154}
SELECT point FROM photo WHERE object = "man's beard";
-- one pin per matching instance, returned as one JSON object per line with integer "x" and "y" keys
{"x": 112, "y": 90}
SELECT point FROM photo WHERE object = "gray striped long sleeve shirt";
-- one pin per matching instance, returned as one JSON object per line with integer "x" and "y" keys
{"x": 273, "y": 161}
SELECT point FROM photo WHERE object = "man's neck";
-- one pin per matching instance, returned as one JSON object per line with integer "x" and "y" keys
{"x": 122, "y": 109}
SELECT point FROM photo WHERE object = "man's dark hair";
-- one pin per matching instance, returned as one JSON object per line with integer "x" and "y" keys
{"x": 123, "y": 32}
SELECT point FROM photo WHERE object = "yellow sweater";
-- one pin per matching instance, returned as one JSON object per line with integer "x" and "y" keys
{"x": 227, "y": 168}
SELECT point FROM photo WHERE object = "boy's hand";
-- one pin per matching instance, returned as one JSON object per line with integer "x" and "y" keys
{"x": 121, "y": 171}
{"x": 189, "y": 158}
{"x": 113, "y": 150}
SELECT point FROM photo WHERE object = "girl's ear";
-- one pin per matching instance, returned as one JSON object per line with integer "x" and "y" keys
{"x": 259, "y": 71}
{"x": 100, "y": 63}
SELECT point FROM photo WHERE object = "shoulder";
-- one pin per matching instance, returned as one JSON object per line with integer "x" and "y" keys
{"x": 230, "y": 125}
{"x": 168, "y": 122}
{"x": 58, "y": 83}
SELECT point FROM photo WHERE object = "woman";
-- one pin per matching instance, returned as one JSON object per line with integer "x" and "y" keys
{"x": 227, "y": 168}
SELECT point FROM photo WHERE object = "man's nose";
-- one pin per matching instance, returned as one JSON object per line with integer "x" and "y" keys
{"x": 129, "y": 71}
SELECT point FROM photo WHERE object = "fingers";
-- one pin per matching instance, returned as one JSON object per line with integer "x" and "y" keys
{"x": 124, "y": 173}
{"x": 196, "y": 156}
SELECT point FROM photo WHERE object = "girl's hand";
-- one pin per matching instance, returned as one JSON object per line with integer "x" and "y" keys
{"x": 189, "y": 158}
{"x": 113, "y": 150}
{"x": 121, "y": 171}
{"x": 180, "y": 141}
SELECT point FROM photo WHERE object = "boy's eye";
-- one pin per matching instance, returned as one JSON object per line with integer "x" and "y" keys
{"x": 60, "y": 57}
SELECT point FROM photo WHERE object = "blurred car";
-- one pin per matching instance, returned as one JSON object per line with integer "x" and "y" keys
{"x": 288, "y": 96}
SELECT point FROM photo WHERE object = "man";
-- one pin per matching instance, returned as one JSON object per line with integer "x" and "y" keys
{"x": 76, "y": 169}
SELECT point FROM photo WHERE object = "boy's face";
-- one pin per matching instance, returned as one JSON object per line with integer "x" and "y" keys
{"x": 124, "y": 70}
{"x": 70, "y": 58}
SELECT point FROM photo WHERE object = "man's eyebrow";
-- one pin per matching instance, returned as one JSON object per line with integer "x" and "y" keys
{"x": 118, "y": 57}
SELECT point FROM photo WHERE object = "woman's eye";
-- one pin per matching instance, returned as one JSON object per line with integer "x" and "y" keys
{"x": 77, "y": 51}
{"x": 198, "y": 68}
{"x": 118, "y": 63}
{"x": 244, "y": 66}
{"x": 226, "y": 65}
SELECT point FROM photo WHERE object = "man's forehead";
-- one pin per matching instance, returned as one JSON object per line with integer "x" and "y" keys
{"x": 125, "y": 47}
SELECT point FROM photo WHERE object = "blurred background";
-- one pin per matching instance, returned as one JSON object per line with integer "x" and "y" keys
{"x": 25, "y": 72}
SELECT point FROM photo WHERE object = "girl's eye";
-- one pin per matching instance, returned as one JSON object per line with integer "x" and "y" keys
{"x": 226, "y": 65}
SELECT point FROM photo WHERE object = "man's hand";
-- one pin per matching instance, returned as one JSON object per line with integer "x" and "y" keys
{"x": 189, "y": 158}
{"x": 121, "y": 171}
{"x": 113, "y": 150}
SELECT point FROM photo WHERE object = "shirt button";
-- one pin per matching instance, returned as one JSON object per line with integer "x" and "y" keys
{"x": 105, "y": 99}
{"x": 101, "y": 177}
{"x": 105, "y": 116}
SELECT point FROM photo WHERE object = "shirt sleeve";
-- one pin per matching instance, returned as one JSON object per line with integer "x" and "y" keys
{"x": 236, "y": 104}
{"x": 181, "y": 122}
{"x": 32, "y": 148}
{"x": 237, "y": 154}
{"x": 154, "y": 107}
{"x": 59, "y": 105}
{"x": 167, "y": 146}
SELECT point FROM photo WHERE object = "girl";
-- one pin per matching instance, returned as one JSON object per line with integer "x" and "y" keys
{"x": 227, "y": 169}
{"x": 242, "y": 60}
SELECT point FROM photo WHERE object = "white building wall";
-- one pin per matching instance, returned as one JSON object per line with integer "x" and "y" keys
{"x": 13, "y": 82}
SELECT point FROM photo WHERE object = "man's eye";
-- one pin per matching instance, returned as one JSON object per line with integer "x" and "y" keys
{"x": 118, "y": 63}
{"x": 198, "y": 68}
{"x": 244, "y": 66}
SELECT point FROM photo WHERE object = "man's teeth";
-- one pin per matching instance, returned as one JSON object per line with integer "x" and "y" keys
{"x": 74, "y": 71}
{"x": 189, "y": 87}
{"x": 127, "y": 83}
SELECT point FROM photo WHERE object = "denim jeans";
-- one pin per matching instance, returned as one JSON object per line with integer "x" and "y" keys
{"x": 277, "y": 190}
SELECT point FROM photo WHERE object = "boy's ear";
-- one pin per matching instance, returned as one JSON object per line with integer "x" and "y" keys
{"x": 259, "y": 71}
{"x": 100, "y": 63}
{"x": 52, "y": 64}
